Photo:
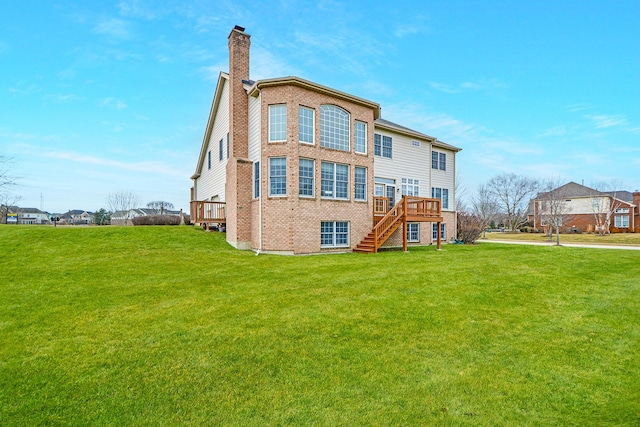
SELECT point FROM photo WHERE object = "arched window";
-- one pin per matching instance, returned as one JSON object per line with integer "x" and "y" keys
{"x": 334, "y": 127}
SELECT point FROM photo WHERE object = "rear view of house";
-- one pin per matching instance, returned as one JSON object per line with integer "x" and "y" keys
{"x": 291, "y": 166}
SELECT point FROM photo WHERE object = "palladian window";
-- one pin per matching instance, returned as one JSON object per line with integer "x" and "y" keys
{"x": 334, "y": 127}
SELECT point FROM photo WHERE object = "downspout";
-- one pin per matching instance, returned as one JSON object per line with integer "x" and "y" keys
{"x": 260, "y": 203}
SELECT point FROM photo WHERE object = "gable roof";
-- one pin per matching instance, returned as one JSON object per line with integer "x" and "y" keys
{"x": 572, "y": 189}
{"x": 386, "y": 124}
{"x": 223, "y": 78}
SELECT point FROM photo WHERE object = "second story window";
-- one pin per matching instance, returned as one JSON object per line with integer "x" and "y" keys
{"x": 277, "y": 176}
{"x": 335, "y": 181}
{"x": 221, "y": 149}
{"x": 361, "y": 137}
{"x": 438, "y": 161}
{"x": 306, "y": 177}
{"x": 410, "y": 187}
{"x": 306, "y": 128}
{"x": 382, "y": 146}
{"x": 277, "y": 123}
{"x": 334, "y": 127}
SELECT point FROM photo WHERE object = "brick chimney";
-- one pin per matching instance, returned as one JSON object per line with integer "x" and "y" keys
{"x": 239, "y": 43}
{"x": 239, "y": 168}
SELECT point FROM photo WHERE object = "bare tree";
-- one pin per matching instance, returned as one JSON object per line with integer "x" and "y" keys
{"x": 6, "y": 178}
{"x": 160, "y": 206}
{"x": 7, "y": 201}
{"x": 552, "y": 206}
{"x": 122, "y": 201}
{"x": 512, "y": 193}
{"x": 470, "y": 227}
{"x": 604, "y": 203}
{"x": 484, "y": 207}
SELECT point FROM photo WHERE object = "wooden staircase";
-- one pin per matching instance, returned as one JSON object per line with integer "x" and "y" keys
{"x": 409, "y": 209}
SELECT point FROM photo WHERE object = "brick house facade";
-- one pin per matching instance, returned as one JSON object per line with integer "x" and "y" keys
{"x": 297, "y": 164}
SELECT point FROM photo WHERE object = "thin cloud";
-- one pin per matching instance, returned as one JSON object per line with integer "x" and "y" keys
{"x": 579, "y": 107}
{"x": 479, "y": 85}
{"x": 145, "y": 166}
{"x": 607, "y": 121}
{"x": 408, "y": 30}
{"x": 112, "y": 103}
{"x": 116, "y": 28}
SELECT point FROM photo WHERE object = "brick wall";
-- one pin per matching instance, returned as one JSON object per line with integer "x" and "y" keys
{"x": 292, "y": 223}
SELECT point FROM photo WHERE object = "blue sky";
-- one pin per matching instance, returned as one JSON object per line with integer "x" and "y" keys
{"x": 99, "y": 97}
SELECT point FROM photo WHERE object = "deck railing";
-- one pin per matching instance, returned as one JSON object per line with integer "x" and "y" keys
{"x": 208, "y": 212}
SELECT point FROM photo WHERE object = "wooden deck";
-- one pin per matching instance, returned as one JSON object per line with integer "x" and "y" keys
{"x": 208, "y": 213}
{"x": 387, "y": 221}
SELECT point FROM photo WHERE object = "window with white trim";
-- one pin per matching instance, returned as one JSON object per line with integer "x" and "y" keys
{"x": 334, "y": 127}
{"x": 443, "y": 231}
{"x": 221, "y": 150}
{"x": 278, "y": 176}
{"x": 410, "y": 187}
{"x": 306, "y": 127}
{"x": 622, "y": 210}
{"x": 621, "y": 221}
{"x": 209, "y": 159}
{"x": 360, "y": 183}
{"x": 361, "y": 137}
{"x": 442, "y": 194}
{"x": 438, "y": 160}
{"x": 277, "y": 123}
{"x": 334, "y": 234}
{"x": 306, "y": 178}
{"x": 382, "y": 145}
{"x": 256, "y": 180}
{"x": 413, "y": 232}
{"x": 335, "y": 181}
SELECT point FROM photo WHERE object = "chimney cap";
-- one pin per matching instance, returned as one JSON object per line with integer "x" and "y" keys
{"x": 239, "y": 28}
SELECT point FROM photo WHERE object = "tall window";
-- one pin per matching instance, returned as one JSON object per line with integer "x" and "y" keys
{"x": 277, "y": 176}
{"x": 228, "y": 146}
{"x": 306, "y": 128}
{"x": 334, "y": 127}
{"x": 443, "y": 231}
{"x": 335, "y": 181}
{"x": 361, "y": 137}
{"x": 306, "y": 180}
{"x": 277, "y": 123}
{"x": 382, "y": 146}
{"x": 221, "y": 150}
{"x": 438, "y": 161}
{"x": 209, "y": 159}
{"x": 334, "y": 234}
{"x": 361, "y": 183}
{"x": 621, "y": 221}
{"x": 442, "y": 194}
{"x": 256, "y": 180}
{"x": 410, "y": 187}
{"x": 413, "y": 232}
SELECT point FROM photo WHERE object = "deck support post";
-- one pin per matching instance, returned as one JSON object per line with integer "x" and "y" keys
{"x": 438, "y": 234}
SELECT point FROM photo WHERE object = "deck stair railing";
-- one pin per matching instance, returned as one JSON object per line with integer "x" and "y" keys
{"x": 409, "y": 209}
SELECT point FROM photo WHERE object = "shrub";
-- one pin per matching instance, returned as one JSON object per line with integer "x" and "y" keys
{"x": 470, "y": 227}
{"x": 156, "y": 220}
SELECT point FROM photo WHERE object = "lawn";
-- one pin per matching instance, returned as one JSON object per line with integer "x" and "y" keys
{"x": 619, "y": 239}
{"x": 171, "y": 326}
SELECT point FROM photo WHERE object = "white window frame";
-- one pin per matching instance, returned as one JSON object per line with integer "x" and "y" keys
{"x": 329, "y": 234}
{"x": 443, "y": 231}
{"x": 442, "y": 194}
{"x": 221, "y": 150}
{"x": 621, "y": 221}
{"x": 362, "y": 185}
{"x": 312, "y": 178}
{"x": 361, "y": 137}
{"x": 278, "y": 123}
{"x": 335, "y": 125}
{"x": 279, "y": 177}
{"x": 410, "y": 187}
{"x": 413, "y": 232}
{"x": 334, "y": 181}
{"x": 306, "y": 130}
{"x": 256, "y": 180}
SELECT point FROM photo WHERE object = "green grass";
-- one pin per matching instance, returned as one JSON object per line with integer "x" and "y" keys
{"x": 171, "y": 326}
{"x": 630, "y": 239}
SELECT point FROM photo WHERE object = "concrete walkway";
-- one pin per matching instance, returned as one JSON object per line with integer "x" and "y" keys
{"x": 568, "y": 245}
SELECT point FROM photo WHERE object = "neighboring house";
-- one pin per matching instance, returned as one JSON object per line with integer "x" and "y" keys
{"x": 30, "y": 215}
{"x": 291, "y": 166}
{"x": 76, "y": 217}
{"x": 585, "y": 209}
